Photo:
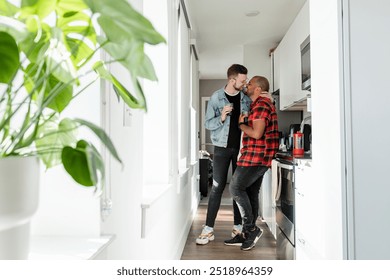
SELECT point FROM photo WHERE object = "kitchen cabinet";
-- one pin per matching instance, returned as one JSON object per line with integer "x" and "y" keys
{"x": 268, "y": 202}
{"x": 288, "y": 74}
{"x": 275, "y": 69}
{"x": 309, "y": 232}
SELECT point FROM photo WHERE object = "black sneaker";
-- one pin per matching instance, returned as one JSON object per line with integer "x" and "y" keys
{"x": 235, "y": 241}
{"x": 251, "y": 238}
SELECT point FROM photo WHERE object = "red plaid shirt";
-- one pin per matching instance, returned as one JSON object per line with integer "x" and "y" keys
{"x": 261, "y": 151}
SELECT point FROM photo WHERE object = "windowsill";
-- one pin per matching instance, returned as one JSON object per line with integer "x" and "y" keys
{"x": 183, "y": 171}
{"x": 67, "y": 247}
{"x": 153, "y": 192}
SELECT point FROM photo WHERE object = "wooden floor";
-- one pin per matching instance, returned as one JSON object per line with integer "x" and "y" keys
{"x": 216, "y": 250}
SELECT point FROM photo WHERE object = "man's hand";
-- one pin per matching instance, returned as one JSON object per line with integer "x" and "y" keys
{"x": 226, "y": 111}
{"x": 241, "y": 119}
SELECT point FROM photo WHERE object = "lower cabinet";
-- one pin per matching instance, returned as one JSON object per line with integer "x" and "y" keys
{"x": 304, "y": 249}
{"x": 268, "y": 202}
{"x": 308, "y": 227}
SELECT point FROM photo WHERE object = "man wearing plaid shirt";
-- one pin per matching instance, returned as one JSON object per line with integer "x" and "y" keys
{"x": 259, "y": 145}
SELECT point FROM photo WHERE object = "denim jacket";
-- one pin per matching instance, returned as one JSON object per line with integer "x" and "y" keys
{"x": 219, "y": 132}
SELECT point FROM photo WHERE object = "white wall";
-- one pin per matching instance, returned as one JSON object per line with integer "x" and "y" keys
{"x": 350, "y": 61}
{"x": 150, "y": 175}
{"x": 226, "y": 57}
{"x": 257, "y": 60}
{"x": 151, "y": 200}
{"x": 156, "y": 121}
{"x": 255, "y": 57}
{"x": 125, "y": 182}
{"x": 367, "y": 47}
{"x": 326, "y": 94}
{"x": 67, "y": 208}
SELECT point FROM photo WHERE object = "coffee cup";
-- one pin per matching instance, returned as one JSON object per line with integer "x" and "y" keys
{"x": 245, "y": 114}
{"x": 232, "y": 106}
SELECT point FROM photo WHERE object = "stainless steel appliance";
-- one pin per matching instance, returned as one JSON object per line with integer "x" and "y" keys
{"x": 305, "y": 64}
{"x": 285, "y": 209}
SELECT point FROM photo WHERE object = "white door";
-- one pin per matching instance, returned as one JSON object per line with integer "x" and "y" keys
{"x": 205, "y": 134}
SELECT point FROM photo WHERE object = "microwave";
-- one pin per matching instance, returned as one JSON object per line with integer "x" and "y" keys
{"x": 305, "y": 64}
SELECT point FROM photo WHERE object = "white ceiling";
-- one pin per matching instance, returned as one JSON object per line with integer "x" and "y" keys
{"x": 221, "y": 29}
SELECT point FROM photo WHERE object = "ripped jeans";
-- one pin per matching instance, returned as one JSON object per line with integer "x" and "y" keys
{"x": 221, "y": 162}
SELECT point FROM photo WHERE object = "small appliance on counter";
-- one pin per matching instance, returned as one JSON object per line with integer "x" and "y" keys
{"x": 290, "y": 140}
{"x": 306, "y": 137}
{"x": 298, "y": 149}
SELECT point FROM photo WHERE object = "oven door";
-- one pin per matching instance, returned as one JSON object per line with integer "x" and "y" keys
{"x": 284, "y": 249}
{"x": 285, "y": 213}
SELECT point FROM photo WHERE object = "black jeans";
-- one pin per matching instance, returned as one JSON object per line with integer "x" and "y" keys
{"x": 244, "y": 187}
{"x": 221, "y": 161}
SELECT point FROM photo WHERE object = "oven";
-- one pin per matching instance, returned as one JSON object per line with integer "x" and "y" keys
{"x": 285, "y": 210}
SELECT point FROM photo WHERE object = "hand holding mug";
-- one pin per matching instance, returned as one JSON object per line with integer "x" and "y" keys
{"x": 227, "y": 109}
{"x": 244, "y": 117}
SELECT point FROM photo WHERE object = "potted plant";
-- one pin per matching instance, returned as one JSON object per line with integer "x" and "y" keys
{"x": 46, "y": 46}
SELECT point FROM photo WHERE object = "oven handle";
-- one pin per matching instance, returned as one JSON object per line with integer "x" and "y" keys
{"x": 285, "y": 166}
{"x": 279, "y": 178}
{"x": 279, "y": 184}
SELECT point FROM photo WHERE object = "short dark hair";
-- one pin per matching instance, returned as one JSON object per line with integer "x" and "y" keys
{"x": 236, "y": 69}
{"x": 261, "y": 82}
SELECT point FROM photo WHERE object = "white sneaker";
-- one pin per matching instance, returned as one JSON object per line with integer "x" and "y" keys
{"x": 237, "y": 229}
{"x": 206, "y": 236}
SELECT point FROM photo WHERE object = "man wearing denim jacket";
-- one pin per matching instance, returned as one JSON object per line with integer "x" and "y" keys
{"x": 223, "y": 111}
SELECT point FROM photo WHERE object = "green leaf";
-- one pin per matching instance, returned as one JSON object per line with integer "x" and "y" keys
{"x": 63, "y": 98}
{"x": 63, "y": 93}
{"x": 95, "y": 164}
{"x": 118, "y": 17}
{"x": 35, "y": 50}
{"x": 7, "y": 8}
{"x": 58, "y": 59}
{"x": 9, "y": 54}
{"x": 126, "y": 96}
{"x": 84, "y": 163}
{"x": 131, "y": 54}
{"x": 140, "y": 92}
{"x": 76, "y": 163}
{"x": 15, "y": 28}
{"x": 79, "y": 34}
{"x": 36, "y": 7}
{"x": 52, "y": 137}
{"x": 80, "y": 51}
{"x": 146, "y": 69}
{"x": 64, "y": 6}
{"x": 99, "y": 132}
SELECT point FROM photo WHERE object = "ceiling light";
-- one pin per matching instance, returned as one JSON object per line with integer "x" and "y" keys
{"x": 252, "y": 13}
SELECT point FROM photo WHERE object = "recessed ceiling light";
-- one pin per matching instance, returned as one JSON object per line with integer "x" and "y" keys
{"x": 252, "y": 13}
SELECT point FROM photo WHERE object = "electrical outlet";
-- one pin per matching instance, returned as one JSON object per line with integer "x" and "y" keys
{"x": 127, "y": 116}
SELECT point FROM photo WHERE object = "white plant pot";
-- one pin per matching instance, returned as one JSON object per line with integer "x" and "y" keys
{"x": 19, "y": 195}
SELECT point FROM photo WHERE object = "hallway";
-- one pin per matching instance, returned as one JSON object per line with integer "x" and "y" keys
{"x": 216, "y": 250}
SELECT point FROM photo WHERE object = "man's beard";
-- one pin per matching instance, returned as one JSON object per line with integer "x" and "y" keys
{"x": 236, "y": 88}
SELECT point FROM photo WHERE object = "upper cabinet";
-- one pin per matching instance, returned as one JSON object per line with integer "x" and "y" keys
{"x": 275, "y": 58}
{"x": 287, "y": 63}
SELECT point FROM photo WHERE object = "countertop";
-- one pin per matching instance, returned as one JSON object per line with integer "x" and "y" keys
{"x": 289, "y": 157}
{"x": 68, "y": 247}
